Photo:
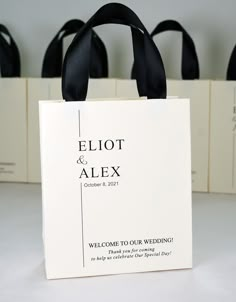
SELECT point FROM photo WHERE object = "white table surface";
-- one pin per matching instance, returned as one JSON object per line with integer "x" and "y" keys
{"x": 22, "y": 276}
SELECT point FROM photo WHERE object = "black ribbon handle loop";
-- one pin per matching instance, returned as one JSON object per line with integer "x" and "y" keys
{"x": 231, "y": 70}
{"x": 190, "y": 65}
{"x": 9, "y": 55}
{"x": 151, "y": 79}
{"x": 53, "y": 58}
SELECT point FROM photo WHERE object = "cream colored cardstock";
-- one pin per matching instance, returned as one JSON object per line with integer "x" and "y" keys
{"x": 50, "y": 89}
{"x": 199, "y": 94}
{"x": 116, "y": 186}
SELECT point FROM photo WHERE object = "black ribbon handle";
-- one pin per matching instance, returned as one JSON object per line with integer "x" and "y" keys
{"x": 53, "y": 58}
{"x": 190, "y": 65}
{"x": 9, "y": 55}
{"x": 151, "y": 79}
{"x": 231, "y": 70}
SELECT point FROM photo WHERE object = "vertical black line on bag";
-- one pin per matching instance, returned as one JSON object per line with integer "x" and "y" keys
{"x": 81, "y": 200}
{"x": 82, "y": 220}
{"x": 79, "y": 123}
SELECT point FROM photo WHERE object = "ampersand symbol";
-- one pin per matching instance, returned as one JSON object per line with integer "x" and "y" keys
{"x": 81, "y": 160}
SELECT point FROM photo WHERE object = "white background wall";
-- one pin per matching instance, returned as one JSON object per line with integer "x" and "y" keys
{"x": 211, "y": 23}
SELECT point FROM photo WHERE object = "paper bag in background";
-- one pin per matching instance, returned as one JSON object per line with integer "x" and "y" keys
{"x": 198, "y": 91}
{"x": 116, "y": 175}
{"x": 223, "y": 132}
{"x": 49, "y": 87}
{"x": 13, "y": 131}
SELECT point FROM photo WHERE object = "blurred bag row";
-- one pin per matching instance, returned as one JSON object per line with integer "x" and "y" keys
{"x": 213, "y": 108}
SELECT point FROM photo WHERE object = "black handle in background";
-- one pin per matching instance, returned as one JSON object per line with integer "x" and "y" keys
{"x": 231, "y": 70}
{"x": 151, "y": 79}
{"x": 9, "y": 55}
{"x": 190, "y": 65}
{"x": 53, "y": 58}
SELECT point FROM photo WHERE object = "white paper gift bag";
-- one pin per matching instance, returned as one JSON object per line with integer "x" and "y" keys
{"x": 13, "y": 131}
{"x": 116, "y": 175}
{"x": 223, "y": 132}
{"x": 49, "y": 87}
{"x": 198, "y": 91}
